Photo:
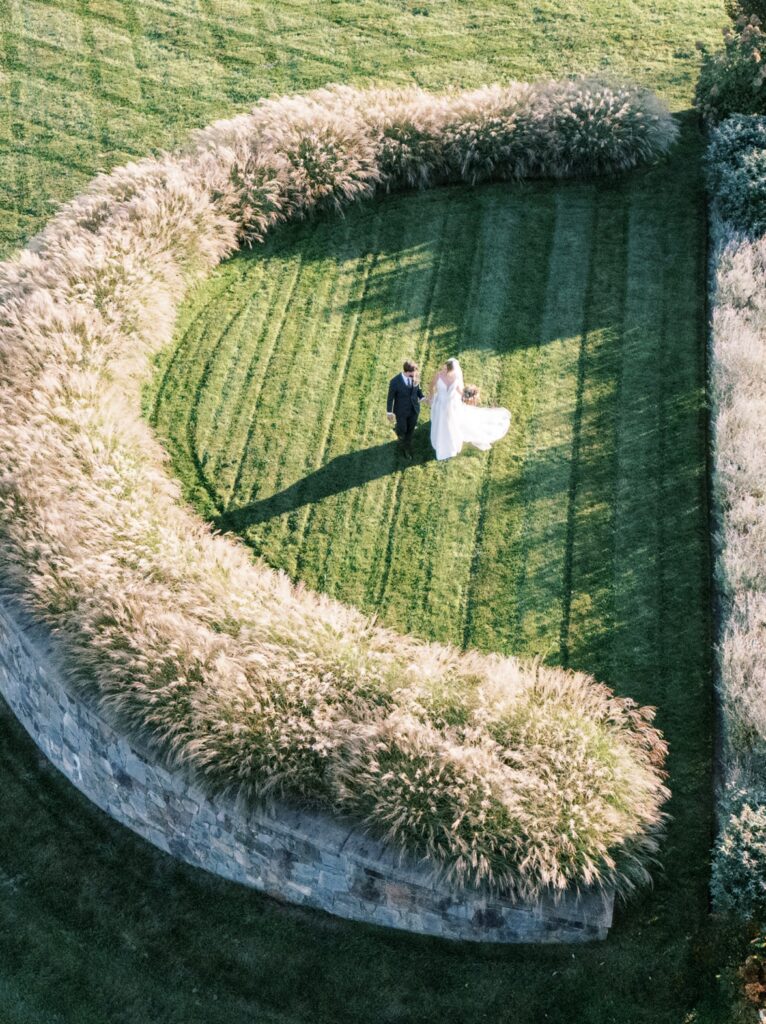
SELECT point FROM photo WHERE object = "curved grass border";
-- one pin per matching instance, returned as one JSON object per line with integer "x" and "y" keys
{"x": 514, "y": 777}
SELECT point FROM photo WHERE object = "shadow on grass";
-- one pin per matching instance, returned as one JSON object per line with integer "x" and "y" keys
{"x": 343, "y": 473}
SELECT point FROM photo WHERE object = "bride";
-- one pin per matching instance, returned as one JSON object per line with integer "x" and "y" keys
{"x": 453, "y": 423}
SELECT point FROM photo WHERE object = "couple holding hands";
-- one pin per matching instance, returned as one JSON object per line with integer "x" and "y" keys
{"x": 453, "y": 422}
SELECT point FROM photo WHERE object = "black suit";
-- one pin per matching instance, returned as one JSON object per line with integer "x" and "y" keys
{"x": 404, "y": 403}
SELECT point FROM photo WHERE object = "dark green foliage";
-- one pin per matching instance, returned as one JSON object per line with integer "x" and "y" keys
{"x": 746, "y": 9}
{"x": 736, "y": 169}
{"x": 739, "y": 867}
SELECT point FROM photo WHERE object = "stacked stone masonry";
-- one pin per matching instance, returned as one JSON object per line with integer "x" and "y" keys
{"x": 297, "y": 855}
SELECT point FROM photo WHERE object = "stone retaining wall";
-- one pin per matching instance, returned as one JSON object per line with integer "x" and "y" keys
{"x": 301, "y": 856}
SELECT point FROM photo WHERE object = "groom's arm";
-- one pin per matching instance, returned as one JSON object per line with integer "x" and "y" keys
{"x": 391, "y": 396}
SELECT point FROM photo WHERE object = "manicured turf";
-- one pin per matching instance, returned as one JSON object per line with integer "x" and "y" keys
{"x": 582, "y": 537}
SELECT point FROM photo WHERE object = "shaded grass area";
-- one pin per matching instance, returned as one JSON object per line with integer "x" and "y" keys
{"x": 581, "y": 538}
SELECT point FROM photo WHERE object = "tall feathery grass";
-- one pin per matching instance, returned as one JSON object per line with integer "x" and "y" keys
{"x": 738, "y": 387}
{"x": 507, "y": 775}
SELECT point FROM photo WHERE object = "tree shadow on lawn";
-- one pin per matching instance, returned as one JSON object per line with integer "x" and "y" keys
{"x": 431, "y": 244}
{"x": 433, "y": 280}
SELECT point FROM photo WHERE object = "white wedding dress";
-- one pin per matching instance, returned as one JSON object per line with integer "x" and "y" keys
{"x": 453, "y": 423}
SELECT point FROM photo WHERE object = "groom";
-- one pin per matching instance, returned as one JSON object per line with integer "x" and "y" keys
{"x": 403, "y": 405}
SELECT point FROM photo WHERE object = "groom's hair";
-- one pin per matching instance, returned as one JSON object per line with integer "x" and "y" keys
{"x": 409, "y": 366}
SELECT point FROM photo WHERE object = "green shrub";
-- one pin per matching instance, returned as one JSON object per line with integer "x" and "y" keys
{"x": 739, "y": 867}
{"x": 733, "y": 80}
{"x": 736, "y": 171}
{"x": 743, "y": 192}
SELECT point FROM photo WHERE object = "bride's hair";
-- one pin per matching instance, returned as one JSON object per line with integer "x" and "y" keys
{"x": 450, "y": 365}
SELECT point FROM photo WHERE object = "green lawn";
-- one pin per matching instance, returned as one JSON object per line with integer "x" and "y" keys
{"x": 581, "y": 537}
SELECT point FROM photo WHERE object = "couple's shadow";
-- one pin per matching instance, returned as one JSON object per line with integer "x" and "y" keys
{"x": 343, "y": 473}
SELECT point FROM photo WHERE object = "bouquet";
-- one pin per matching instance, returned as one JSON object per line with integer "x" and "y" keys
{"x": 471, "y": 394}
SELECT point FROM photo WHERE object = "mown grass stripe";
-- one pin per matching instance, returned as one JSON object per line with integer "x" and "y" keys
{"x": 461, "y": 255}
{"x": 30, "y": 152}
{"x": 72, "y": 82}
{"x": 93, "y": 73}
{"x": 685, "y": 708}
{"x": 167, "y": 402}
{"x": 502, "y": 236}
{"x": 494, "y": 587}
{"x": 546, "y": 466}
{"x": 242, "y": 364}
{"x": 348, "y": 331}
{"x": 636, "y": 495}
{"x": 235, "y": 417}
{"x": 418, "y": 302}
{"x": 293, "y": 396}
{"x": 216, "y": 33}
{"x": 145, "y": 112}
{"x": 396, "y": 297}
{"x": 398, "y": 553}
{"x": 234, "y": 499}
{"x": 591, "y": 615}
{"x": 180, "y": 354}
{"x": 10, "y": 98}
{"x": 421, "y": 522}
{"x": 194, "y": 432}
{"x": 10, "y": 35}
{"x": 226, "y": 365}
{"x": 284, "y": 277}
{"x": 313, "y": 398}
{"x": 136, "y": 36}
{"x": 576, "y": 452}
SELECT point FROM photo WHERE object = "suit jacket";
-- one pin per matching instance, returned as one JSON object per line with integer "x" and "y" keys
{"x": 402, "y": 399}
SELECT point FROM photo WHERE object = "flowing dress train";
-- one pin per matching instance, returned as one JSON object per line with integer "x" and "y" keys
{"x": 453, "y": 423}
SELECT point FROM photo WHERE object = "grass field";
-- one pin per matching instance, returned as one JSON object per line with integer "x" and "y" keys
{"x": 582, "y": 536}
{"x": 576, "y": 306}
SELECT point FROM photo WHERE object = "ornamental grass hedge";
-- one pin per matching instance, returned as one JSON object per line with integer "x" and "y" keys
{"x": 502, "y": 774}
{"x": 738, "y": 391}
